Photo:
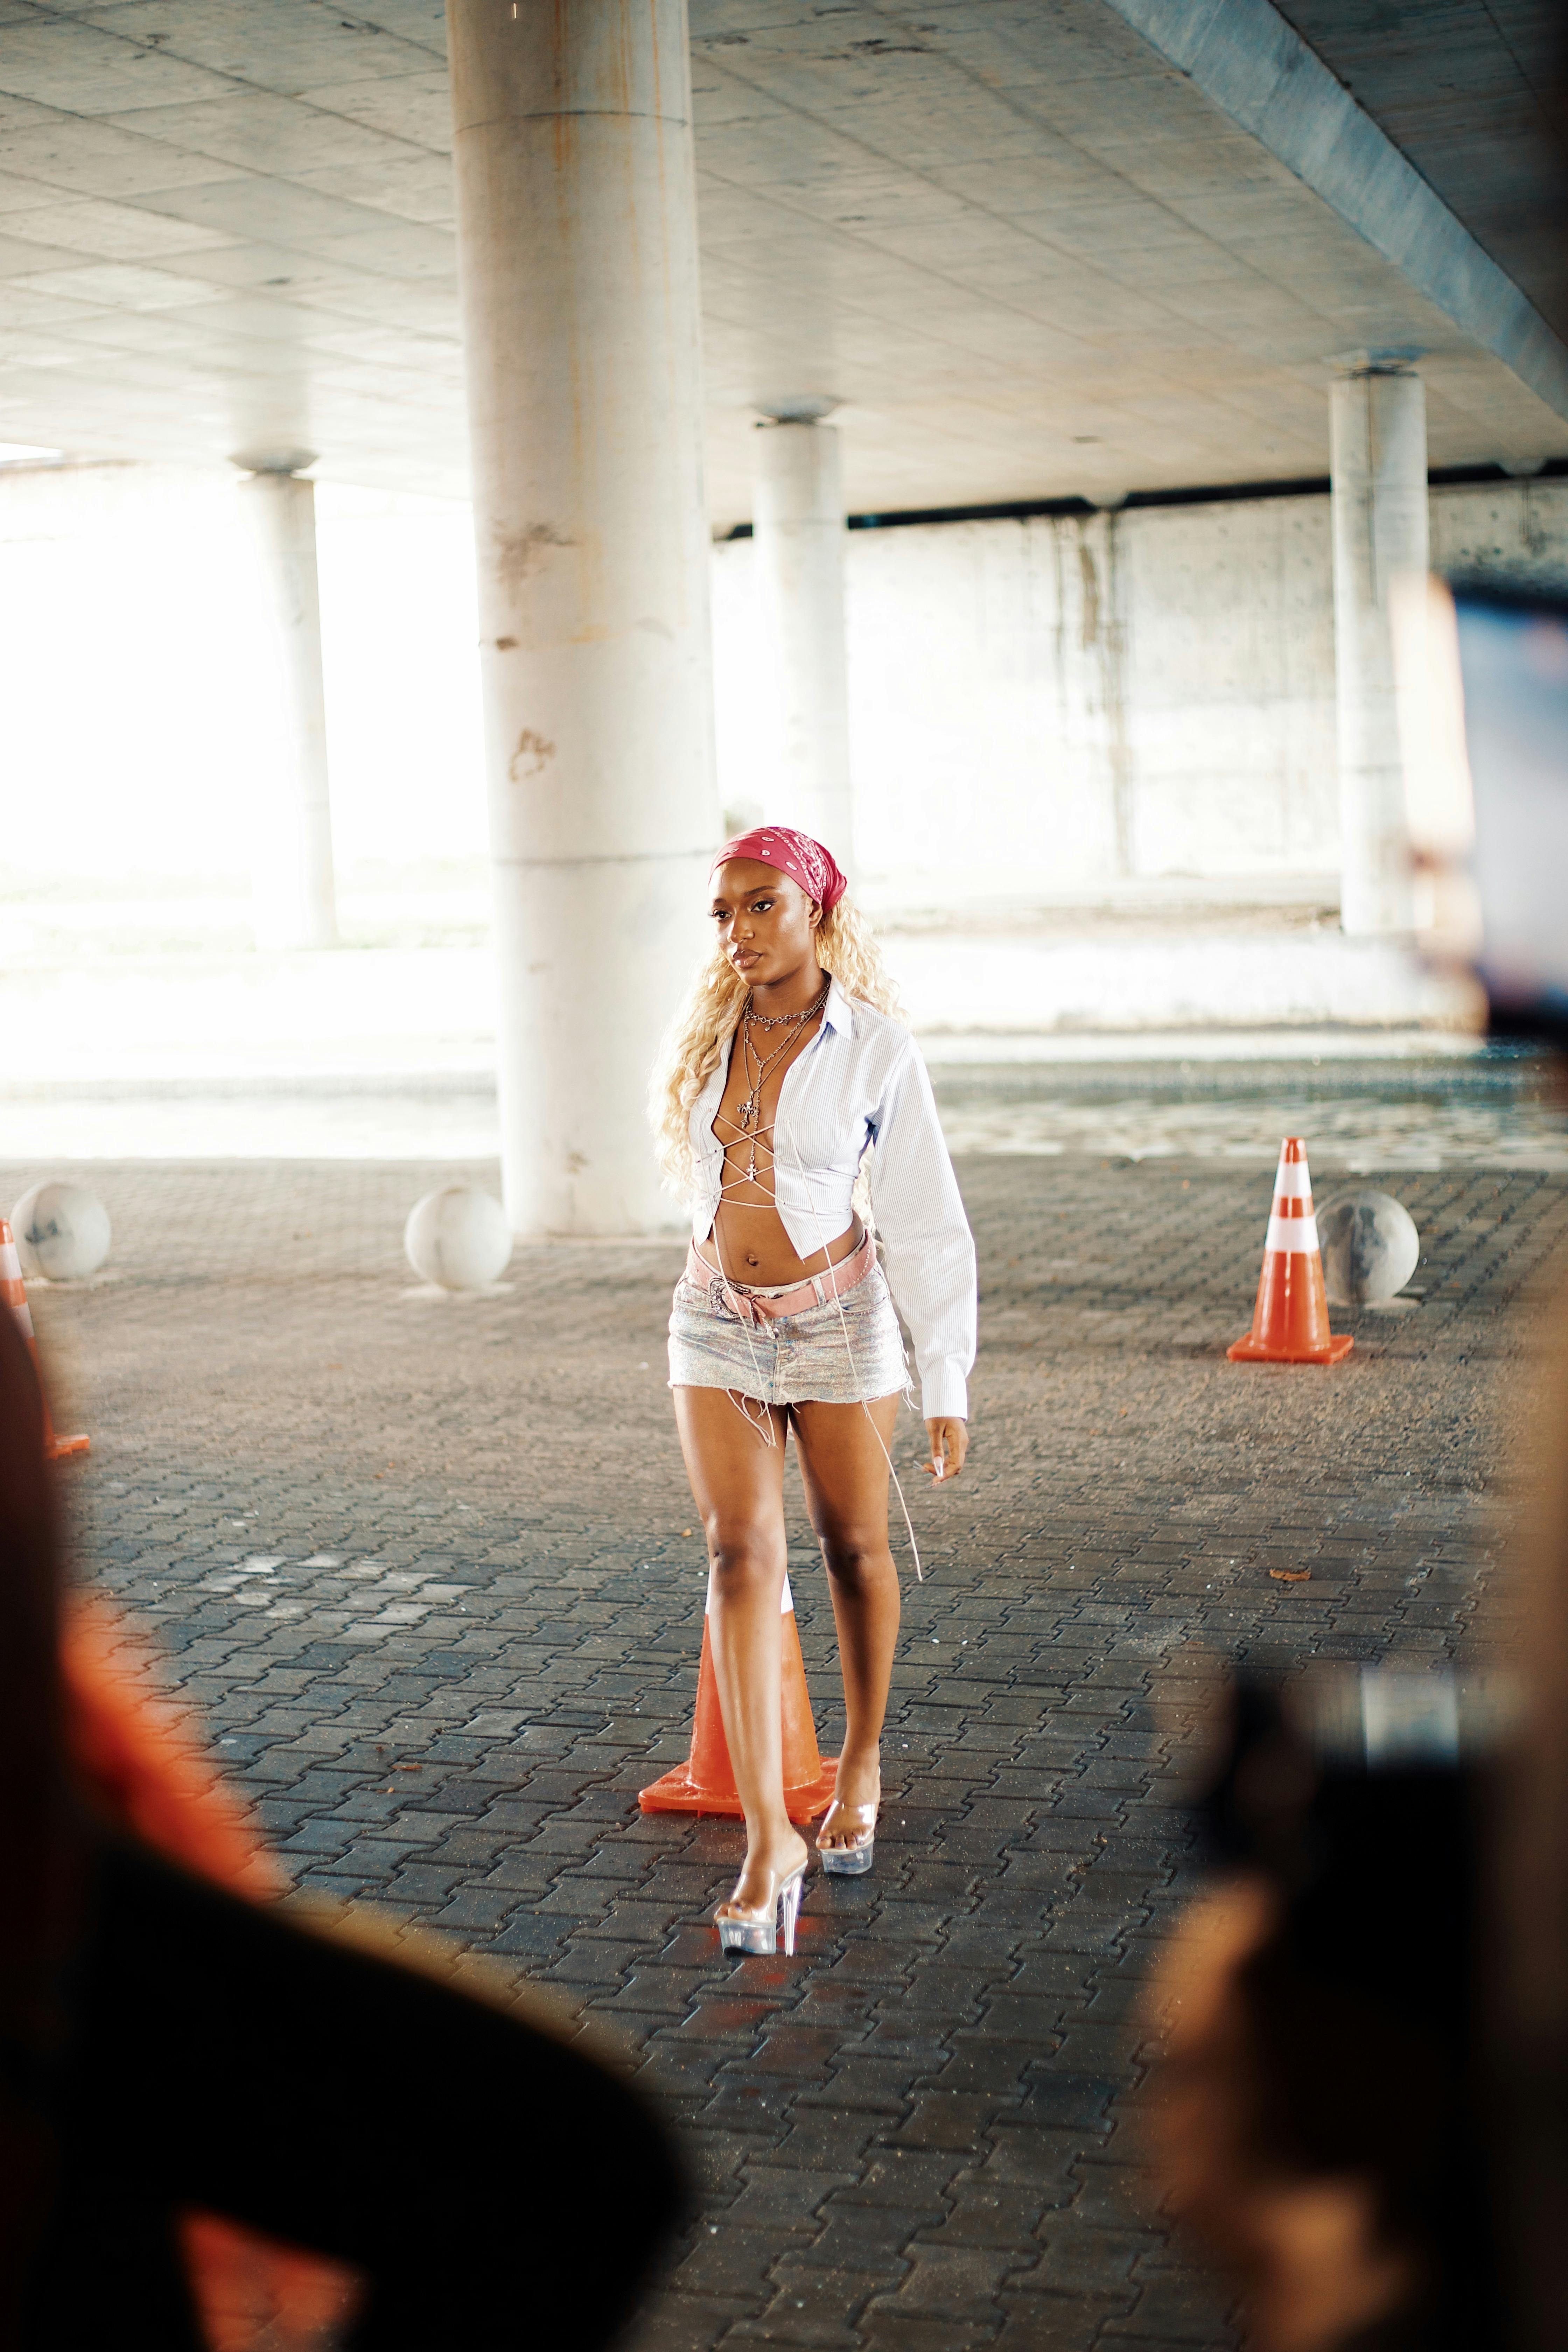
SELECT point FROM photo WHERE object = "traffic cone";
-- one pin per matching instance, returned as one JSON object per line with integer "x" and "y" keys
{"x": 705, "y": 1783}
{"x": 14, "y": 1295}
{"x": 1290, "y": 1319}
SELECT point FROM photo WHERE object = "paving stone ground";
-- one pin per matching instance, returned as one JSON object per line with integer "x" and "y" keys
{"x": 427, "y": 1569}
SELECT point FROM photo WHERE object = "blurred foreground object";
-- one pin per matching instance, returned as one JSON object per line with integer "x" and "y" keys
{"x": 221, "y": 2130}
{"x": 1320, "y": 2111}
{"x": 1482, "y": 670}
{"x": 62, "y": 1231}
{"x": 142, "y": 1765}
{"x": 1531, "y": 1881}
{"x": 458, "y": 1238}
{"x": 14, "y": 1295}
{"x": 142, "y": 1762}
{"x": 1371, "y": 1248}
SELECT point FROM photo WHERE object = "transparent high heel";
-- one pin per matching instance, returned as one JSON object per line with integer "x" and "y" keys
{"x": 759, "y": 1931}
{"x": 850, "y": 1861}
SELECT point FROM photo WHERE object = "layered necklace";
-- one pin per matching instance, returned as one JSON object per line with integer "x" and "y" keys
{"x": 757, "y": 1062}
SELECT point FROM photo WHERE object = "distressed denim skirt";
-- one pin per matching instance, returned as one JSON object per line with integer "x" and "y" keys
{"x": 847, "y": 1350}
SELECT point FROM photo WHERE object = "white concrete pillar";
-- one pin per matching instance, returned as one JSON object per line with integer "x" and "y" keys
{"x": 292, "y": 896}
{"x": 798, "y": 523}
{"x": 577, "y": 252}
{"x": 1378, "y": 442}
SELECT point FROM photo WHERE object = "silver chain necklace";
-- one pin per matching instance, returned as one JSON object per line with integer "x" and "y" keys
{"x": 756, "y": 1066}
{"x": 780, "y": 1020}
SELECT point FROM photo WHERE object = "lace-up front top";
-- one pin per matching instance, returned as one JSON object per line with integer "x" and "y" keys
{"x": 861, "y": 1082}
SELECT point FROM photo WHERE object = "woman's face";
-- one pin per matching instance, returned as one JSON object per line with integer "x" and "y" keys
{"x": 765, "y": 922}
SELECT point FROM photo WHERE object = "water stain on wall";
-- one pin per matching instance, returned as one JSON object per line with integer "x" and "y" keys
{"x": 531, "y": 757}
{"x": 519, "y": 553}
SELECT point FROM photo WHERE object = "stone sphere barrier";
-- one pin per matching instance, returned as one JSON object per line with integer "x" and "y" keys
{"x": 62, "y": 1231}
{"x": 458, "y": 1238}
{"x": 1370, "y": 1245}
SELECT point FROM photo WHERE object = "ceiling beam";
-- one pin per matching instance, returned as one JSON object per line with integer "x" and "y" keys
{"x": 1257, "y": 69}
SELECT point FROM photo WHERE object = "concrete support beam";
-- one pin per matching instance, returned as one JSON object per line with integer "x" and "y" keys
{"x": 292, "y": 889}
{"x": 577, "y": 252}
{"x": 798, "y": 522}
{"x": 1378, "y": 445}
{"x": 1255, "y": 66}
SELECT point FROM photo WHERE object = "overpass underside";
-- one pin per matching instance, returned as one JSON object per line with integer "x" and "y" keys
{"x": 1067, "y": 281}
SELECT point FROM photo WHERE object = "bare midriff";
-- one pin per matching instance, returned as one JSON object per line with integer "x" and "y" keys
{"x": 747, "y": 1241}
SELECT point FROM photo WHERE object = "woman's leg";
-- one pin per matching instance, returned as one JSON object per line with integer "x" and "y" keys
{"x": 737, "y": 1481}
{"x": 845, "y": 1469}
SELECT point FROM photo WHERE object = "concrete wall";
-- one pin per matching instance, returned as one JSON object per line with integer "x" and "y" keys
{"x": 1125, "y": 707}
{"x": 1050, "y": 717}
{"x": 1114, "y": 707}
{"x": 131, "y": 710}
{"x": 1520, "y": 527}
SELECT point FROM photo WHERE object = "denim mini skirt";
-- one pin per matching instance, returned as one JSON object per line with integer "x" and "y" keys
{"x": 847, "y": 1350}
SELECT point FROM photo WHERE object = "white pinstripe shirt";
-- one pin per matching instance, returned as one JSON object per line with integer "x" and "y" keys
{"x": 861, "y": 1081}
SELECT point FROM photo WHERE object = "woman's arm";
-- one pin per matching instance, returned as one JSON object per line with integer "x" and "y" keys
{"x": 930, "y": 1252}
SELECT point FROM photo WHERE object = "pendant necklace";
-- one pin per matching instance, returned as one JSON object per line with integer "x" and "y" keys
{"x": 756, "y": 1066}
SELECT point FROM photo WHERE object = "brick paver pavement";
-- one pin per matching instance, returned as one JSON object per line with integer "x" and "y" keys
{"x": 427, "y": 1568}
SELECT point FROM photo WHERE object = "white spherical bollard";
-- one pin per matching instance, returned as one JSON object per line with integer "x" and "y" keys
{"x": 458, "y": 1237}
{"x": 62, "y": 1231}
{"x": 1370, "y": 1245}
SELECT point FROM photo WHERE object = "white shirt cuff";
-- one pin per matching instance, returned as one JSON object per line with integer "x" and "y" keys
{"x": 944, "y": 1393}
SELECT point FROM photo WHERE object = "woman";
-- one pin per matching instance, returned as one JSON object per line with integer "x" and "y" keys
{"x": 785, "y": 1067}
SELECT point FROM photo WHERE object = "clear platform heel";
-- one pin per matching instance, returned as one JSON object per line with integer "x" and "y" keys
{"x": 759, "y": 1932}
{"x": 850, "y": 1861}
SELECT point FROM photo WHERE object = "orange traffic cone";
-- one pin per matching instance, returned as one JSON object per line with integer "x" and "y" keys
{"x": 705, "y": 1783}
{"x": 14, "y": 1295}
{"x": 1290, "y": 1319}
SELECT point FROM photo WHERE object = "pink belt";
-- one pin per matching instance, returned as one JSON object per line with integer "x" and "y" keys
{"x": 757, "y": 1307}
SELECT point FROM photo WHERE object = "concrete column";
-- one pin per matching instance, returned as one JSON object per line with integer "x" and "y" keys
{"x": 577, "y": 252}
{"x": 1378, "y": 442}
{"x": 798, "y": 520}
{"x": 292, "y": 896}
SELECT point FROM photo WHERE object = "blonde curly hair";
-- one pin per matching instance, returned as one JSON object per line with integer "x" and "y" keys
{"x": 698, "y": 1037}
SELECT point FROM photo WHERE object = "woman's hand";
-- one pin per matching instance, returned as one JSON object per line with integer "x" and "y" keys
{"x": 949, "y": 1439}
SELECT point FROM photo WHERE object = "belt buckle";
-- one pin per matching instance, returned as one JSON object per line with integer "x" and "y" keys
{"x": 744, "y": 1309}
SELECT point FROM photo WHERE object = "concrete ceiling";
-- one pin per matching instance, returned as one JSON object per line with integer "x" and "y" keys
{"x": 1031, "y": 256}
{"x": 1476, "y": 93}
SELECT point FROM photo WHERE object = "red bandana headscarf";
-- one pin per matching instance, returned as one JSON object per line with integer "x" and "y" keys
{"x": 787, "y": 852}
